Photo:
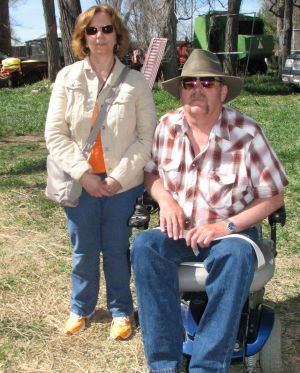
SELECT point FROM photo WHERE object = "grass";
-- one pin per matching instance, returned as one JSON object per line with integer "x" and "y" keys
{"x": 35, "y": 254}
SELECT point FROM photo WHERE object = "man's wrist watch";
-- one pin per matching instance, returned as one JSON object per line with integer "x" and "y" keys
{"x": 231, "y": 227}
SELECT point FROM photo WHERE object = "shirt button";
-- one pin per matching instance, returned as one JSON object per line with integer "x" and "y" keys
{"x": 107, "y": 149}
{"x": 103, "y": 127}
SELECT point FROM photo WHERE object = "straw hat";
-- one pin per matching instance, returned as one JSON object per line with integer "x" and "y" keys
{"x": 202, "y": 63}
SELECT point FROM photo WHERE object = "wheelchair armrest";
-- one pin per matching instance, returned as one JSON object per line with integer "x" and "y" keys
{"x": 278, "y": 216}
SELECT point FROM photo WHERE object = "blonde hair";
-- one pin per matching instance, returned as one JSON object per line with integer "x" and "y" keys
{"x": 79, "y": 46}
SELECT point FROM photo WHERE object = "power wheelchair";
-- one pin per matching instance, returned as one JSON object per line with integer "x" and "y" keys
{"x": 258, "y": 343}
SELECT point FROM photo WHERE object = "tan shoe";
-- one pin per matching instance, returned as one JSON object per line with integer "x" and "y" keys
{"x": 121, "y": 328}
{"x": 75, "y": 324}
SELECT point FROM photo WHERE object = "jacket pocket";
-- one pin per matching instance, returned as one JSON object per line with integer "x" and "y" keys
{"x": 76, "y": 96}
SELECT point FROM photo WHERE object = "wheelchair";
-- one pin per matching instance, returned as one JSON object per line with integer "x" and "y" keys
{"x": 258, "y": 342}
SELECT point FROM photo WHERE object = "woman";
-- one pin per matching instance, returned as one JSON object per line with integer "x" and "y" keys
{"x": 112, "y": 176}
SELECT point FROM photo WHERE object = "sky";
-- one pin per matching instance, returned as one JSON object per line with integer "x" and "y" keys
{"x": 27, "y": 18}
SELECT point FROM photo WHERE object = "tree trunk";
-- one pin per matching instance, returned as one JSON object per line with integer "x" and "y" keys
{"x": 5, "y": 35}
{"x": 53, "y": 51}
{"x": 168, "y": 29}
{"x": 69, "y": 10}
{"x": 296, "y": 27}
{"x": 287, "y": 31}
{"x": 280, "y": 12}
{"x": 231, "y": 37}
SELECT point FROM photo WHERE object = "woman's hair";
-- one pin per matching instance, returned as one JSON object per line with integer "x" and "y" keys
{"x": 79, "y": 46}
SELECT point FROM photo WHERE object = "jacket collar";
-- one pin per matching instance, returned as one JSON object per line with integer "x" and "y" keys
{"x": 118, "y": 67}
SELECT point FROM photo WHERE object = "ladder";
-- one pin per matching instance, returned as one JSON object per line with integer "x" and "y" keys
{"x": 153, "y": 59}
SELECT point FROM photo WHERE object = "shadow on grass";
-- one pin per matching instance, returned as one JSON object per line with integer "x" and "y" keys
{"x": 265, "y": 85}
{"x": 26, "y": 166}
{"x": 288, "y": 312}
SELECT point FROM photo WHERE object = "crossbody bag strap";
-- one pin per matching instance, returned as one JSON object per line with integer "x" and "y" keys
{"x": 114, "y": 91}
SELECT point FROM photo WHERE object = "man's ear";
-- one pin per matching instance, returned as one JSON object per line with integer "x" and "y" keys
{"x": 224, "y": 92}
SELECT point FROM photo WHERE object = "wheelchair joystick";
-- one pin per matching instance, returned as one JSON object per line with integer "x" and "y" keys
{"x": 145, "y": 205}
{"x": 140, "y": 217}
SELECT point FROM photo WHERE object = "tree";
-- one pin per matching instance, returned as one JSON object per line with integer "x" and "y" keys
{"x": 168, "y": 29}
{"x": 68, "y": 10}
{"x": 52, "y": 39}
{"x": 231, "y": 36}
{"x": 283, "y": 10}
{"x": 287, "y": 31}
{"x": 296, "y": 27}
{"x": 5, "y": 33}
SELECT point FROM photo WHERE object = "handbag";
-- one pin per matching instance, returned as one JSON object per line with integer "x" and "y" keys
{"x": 61, "y": 187}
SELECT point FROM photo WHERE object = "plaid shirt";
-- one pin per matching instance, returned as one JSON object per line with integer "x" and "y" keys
{"x": 237, "y": 166}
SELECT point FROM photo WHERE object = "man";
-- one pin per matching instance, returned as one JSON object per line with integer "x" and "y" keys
{"x": 212, "y": 173}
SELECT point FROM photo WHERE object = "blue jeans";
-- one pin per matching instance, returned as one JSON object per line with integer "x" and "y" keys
{"x": 230, "y": 266}
{"x": 100, "y": 224}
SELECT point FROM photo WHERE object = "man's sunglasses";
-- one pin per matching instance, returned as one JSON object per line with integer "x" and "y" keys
{"x": 189, "y": 83}
{"x": 92, "y": 30}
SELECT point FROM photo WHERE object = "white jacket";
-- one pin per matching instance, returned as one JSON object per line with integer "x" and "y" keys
{"x": 126, "y": 133}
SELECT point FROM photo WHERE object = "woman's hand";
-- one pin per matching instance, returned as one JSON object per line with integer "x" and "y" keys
{"x": 113, "y": 185}
{"x": 94, "y": 185}
{"x": 97, "y": 187}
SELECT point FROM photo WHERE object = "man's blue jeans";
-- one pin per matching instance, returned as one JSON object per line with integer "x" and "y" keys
{"x": 230, "y": 264}
{"x": 100, "y": 224}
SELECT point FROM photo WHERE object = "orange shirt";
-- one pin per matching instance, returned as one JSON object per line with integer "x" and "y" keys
{"x": 96, "y": 159}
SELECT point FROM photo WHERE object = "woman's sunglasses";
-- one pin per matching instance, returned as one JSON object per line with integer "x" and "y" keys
{"x": 92, "y": 30}
{"x": 189, "y": 83}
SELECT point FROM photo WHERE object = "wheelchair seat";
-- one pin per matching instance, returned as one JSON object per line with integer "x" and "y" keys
{"x": 192, "y": 276}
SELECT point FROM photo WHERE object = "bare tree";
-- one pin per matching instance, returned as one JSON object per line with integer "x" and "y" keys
{"x": 5, "y": 33}
{"x": 69, "y": 10}
{"x": 114, "y": 3}
{"x": 287, "y": 31}
{"x": 296, "y": 27}
{"x": 53, "y": 51}
{"x": 283, "y": 10}
{"x": 141, "y": 23}
{"x": 231, "y": 36}
{"x": 168, "y": 30}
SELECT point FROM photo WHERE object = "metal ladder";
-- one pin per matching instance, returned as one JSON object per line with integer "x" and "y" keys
{"x": 153, "y": 59}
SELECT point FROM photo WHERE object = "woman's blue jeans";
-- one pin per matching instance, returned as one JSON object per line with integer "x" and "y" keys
{"x": 100, "y": 225}
{"x": 230, "y": 264}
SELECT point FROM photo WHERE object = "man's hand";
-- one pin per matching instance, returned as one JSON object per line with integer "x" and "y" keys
{"x": 203, "y": 235}
{"x": 171, "y": 217}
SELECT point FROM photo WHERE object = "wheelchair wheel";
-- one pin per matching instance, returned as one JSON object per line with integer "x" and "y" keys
{"x": 270, "y": 355}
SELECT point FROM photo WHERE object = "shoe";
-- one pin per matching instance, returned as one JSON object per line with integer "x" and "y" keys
{"x": 121, "y": 328}
{"x": 75, "y": 324}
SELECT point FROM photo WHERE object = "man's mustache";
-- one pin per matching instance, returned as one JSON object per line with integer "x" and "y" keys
{"x": 198, "y": 96}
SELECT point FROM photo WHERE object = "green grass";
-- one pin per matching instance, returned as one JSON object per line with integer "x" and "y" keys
{"x": 23, "y": 110}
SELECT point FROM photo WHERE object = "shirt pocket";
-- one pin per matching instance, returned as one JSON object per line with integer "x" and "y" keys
{"x": 220, "y": 189}
{"x": 171, "y": 174}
